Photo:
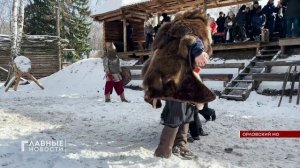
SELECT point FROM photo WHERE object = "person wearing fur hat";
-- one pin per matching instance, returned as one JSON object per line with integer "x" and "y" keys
{"x": 111, "y": 64}
{"x": 171, "y": 74}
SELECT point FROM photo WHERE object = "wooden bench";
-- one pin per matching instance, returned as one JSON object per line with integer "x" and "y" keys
{"x": 235, "y": 46}
{"x": 283, "y": 43}
{"x": 279, "y": 63}
{"x": 208, "y": 66}
{"x": 205, "y": 77}
{"x": 275, "y": 77}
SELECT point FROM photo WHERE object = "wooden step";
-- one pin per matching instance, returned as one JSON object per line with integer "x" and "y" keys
{"x": 253, "y": 67}
{"x": 265, "y": 56}
{"x": 245, "y": 74}
{"x": 235, "y": 97}
{"x": 259, "y": 65}
{"x": 246, "y": 81}
{"x": 236, "y": 88}
{"x": 268, "y": 51}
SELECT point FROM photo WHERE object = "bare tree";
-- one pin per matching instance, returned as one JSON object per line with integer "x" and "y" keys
{"x": 20, "y": 26}
{"x": 16, "y": 31}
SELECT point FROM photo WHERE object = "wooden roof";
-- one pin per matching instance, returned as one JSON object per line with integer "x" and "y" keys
{"x": 139, "y": 11}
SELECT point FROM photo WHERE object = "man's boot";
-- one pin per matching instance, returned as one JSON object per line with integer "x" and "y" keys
{"x": 166, "y": 143}
{"x": 179, "y": 148}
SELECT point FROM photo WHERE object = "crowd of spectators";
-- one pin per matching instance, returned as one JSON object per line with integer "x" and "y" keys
{"x": 255, "y": 22}
{"x": 250, "y": 23}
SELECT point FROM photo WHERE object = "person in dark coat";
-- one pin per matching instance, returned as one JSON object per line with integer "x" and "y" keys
{"x": 248, "y": 23}
{"x": 293, "y": 16}
{"x": 258, "y": 22}
{"x": 280, "y": 22}
{"x": 250, "y": 15}
{"x": 230, "y": 19}
{"x": 129, "y": 37}
{"x": 270, "y": 11}
{"x": 166, "y": 18}
{"x": 221, "y": 23}
{"x": 196, "y": 129}
{"x": 240, "y": 23}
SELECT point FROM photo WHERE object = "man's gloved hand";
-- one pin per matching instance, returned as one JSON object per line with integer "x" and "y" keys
{"x": 209, "y": 114}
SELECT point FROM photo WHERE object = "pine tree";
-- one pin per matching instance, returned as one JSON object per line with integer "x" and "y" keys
{"x": 40, "y": 18}
{"x": 80, "y": 27}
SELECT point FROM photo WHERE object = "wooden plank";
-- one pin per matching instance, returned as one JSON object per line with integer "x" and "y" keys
{"x": 289, "y": 41}
{"x": 3, "y": 69}
{"x": 225, "y": 65}
{"x": 124, "y": 34}
{"x": 272, "y": 77}
{"x": 207, "y": 66}
{"x": 235, "y": 46}
{"x": 205, "y": 77}
{"x": 216, "y": 77}
{"x": 279, "y": 63}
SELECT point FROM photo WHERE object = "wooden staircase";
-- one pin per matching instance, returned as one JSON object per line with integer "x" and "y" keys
{"x": 239, "y": 88}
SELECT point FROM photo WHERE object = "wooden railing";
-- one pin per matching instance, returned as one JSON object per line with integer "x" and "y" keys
{"x": 206, "y": 77}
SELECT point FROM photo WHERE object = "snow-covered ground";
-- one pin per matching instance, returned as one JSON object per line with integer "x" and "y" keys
{"x": 117, "y": 134}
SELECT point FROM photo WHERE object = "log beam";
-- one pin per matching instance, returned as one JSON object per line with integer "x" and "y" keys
{"x": 273, "y": 77}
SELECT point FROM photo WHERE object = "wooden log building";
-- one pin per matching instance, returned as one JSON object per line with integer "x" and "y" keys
{"x": 42, "y": 50}
{"x": 136, "y": 12}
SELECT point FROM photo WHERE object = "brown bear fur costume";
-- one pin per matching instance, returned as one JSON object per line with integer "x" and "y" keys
{"x": 168, "y": 74}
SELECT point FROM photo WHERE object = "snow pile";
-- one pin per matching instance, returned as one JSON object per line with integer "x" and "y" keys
{"x": 82, "y": 78}
{"x": 23, "y": 63}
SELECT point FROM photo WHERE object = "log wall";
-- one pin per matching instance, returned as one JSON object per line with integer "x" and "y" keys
{"x": 41, "y": 50}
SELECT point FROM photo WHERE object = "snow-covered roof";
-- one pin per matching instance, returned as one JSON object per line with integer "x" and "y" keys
{"x": 111, "y": 5}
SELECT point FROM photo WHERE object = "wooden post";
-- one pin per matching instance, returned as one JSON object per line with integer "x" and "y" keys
{"x": 294, "y": 75}
{"x": 125, "y": 35}
{"x": 284, "y": 84}
{"x": 103, "y": 36}
{"x": 282, "y": 48}
{"x": 58, "y": 34}
{"x": 13, "y": 49}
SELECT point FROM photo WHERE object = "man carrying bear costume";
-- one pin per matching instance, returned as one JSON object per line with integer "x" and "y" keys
{"x": 179, "y": 47}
